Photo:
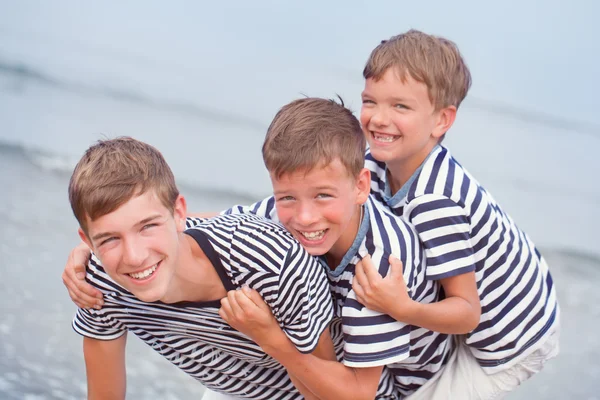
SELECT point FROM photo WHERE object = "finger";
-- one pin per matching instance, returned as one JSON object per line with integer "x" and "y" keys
{"x": 360, "y": 276}
{"x": 236, "y": 310}
{"x": 81, "y": 303}
{"x": 86, "y": 289}
{"x": 396, "y": 267}
{"x": 81, "y": 297}
{"x": 225, "y": 311}
{"x": 256, "y": 298}
{"x": 247, "y": 304}
{"x": 371, "y": 272}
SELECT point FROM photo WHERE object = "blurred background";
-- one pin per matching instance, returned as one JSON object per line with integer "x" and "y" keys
{"x": 202, "y": 80}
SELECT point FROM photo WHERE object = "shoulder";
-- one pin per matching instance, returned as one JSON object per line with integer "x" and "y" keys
{"x": 393, "y": 233}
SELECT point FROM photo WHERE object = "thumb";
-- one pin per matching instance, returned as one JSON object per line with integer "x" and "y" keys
{"x": 396, "y": 267}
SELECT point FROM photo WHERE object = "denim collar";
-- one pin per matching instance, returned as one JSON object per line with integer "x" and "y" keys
{"x": 403, "y": 191}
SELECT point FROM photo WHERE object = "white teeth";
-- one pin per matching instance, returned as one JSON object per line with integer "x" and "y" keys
{"x": 384, "y": 138}
{"x": 144, "y": 274}
{"x": 313, "y": 235}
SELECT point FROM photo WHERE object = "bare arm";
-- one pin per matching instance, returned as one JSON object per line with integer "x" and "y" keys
{"x": 324, "y": 350}
{"x": 325, "y": 378}
{"x": 458, "y": 313}
{"x": 82, "y": 293}
{"x": 105, "y": 368}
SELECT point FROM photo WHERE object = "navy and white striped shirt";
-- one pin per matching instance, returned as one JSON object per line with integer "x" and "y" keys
{"x": 244, "y": 249}
{"x": 412, "y": 354}
{"x": 463, "y": 229}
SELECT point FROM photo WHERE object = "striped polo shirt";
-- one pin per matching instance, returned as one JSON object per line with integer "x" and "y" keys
{"x": 412, "y": 354}
{"x": 243, "y": 249}
{"x": 463, "y": 229}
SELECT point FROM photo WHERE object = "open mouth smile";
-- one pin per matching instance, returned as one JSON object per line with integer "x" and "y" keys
{"x": 145, "y": 274}
{"x": 314, "y": 235}
{"x": 384, "y": 138}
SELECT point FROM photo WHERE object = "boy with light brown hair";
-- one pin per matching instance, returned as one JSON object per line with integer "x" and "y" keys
{"x": 414, "y": 84}
{"x": 314, "y": 152}
{"x": 163, "y": 282}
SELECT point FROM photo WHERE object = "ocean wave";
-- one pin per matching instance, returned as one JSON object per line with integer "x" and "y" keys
{"x": 64, "y": 164}
{"x": 24, "y": 72}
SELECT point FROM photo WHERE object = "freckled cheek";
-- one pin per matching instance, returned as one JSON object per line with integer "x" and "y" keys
{"x": 284, "y": 215}
{"x": 365, "y": 117}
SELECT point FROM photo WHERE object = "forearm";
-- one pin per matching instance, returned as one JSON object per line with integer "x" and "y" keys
{"x": 328, "y": 380}
{"x": 105, "y": 368}
{"x": 453, "y": 315}
{"x": 304, "y": 391}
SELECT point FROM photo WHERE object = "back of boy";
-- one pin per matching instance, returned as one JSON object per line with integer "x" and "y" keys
{"x": 461, "y": 227}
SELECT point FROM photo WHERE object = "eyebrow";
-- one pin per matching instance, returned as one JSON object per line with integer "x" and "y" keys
{"x": 142, "y": 222}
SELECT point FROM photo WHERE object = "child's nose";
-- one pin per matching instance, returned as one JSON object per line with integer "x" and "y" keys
{"x": 133, "y": 253}
{"x": 306, "y": 215}
{"x": 380, "y": 117}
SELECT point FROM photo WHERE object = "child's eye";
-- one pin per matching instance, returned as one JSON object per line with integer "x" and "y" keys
{"x": 108, "y": 240}
{"x": 148, "y": 226}
{"x": 285, "y": 198}
{"x": 401, "y": 106}
{"x": 367, "y": 101}
{"x": 323, "y": 196}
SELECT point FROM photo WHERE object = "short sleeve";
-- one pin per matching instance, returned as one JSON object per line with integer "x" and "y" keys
{"x": 303, "y": 305}
{"x": 192, "y": 222}
{"x": 444, "y": 229}
{"x": 264, "y": 208}
{"x": 93, "y": 324}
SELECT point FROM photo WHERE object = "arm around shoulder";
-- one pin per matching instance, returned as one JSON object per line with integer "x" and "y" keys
{"x": 105, "y": 368}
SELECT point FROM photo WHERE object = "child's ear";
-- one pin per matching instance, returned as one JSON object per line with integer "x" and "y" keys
{"x": 363, "y": 185}
{"x": 446, "y": 117}
{"x": 180, "y": 213}
{"x": 84, "y": 238}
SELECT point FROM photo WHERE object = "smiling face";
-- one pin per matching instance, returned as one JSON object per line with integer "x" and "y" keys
{"x": 400, "y": 122}
{"x": 138, "y": 244}
{"x": 321, "y": 207}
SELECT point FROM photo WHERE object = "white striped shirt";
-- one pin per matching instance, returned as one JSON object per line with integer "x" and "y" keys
{"x": 243, "y": 249}
{"x": 463, "y": 229}
{"x": 412, "y": 354}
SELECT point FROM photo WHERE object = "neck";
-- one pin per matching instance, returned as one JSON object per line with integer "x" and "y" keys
{"x": 335, "y": 255}
{"x": 400, "y": 171}
{"x": 195, "y": 278}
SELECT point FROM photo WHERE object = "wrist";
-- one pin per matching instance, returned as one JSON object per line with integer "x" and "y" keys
{"x": 276, "y": 344}
{"x": 408, "y": 312}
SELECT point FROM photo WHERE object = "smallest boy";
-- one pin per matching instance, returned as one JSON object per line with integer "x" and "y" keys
{"x": 414, "y": 84}
{"x": 314, "y": 152}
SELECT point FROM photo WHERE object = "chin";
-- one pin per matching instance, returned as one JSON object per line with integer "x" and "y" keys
{"x": 148, "y": 297}
{"x": 381, "y": 155}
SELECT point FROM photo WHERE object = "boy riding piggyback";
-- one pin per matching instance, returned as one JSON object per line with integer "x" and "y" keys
{"x": 414, "y": 85}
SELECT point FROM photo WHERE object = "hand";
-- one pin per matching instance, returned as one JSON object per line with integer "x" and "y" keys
{"x": 247, "y": 312}
{"x": 387, "y": 295}
{"x": 82, "y": 293}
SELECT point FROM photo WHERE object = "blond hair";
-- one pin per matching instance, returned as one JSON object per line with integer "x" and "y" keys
{"x": 111, "y": 172}
{"x": 432, "y": 60}
{"x": 312, "y": 132}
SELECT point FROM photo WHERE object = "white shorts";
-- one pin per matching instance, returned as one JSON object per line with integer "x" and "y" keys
{"x": 462, "y": 378}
